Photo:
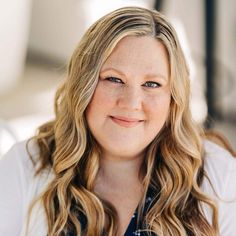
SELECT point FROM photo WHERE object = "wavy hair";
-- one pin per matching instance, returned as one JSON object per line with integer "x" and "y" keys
{"x": 174, "y": 159}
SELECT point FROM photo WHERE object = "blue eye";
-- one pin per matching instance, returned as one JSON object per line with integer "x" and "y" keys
{"x": 114, "y": 80}
{"x": 151, "y": 84}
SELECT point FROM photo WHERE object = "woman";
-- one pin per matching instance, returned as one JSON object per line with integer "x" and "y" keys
{"x": 123, "y": 155}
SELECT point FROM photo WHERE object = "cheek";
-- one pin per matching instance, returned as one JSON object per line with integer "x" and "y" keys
{"x": 104, "y": 95}
{"x": 157, "y": 107}
{"x": 102, "y": 102}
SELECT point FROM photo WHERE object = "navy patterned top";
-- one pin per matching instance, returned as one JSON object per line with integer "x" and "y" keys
{"x": 132, "y": 229}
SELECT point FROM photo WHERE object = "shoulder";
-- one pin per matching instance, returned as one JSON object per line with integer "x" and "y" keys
{"x": 16, "y": 172}
{"x": 21, "y": 163}
{"x": 214, "y": 150}
{"x": 218, "y": 158}
{"x": 18, "y": 168}
{"x": 17, "y": 160}
{"x": 220, "y": 167}
{"x": 19, "y": 185}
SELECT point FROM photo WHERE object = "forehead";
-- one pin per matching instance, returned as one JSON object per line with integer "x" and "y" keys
{"x": 141, "y": 54}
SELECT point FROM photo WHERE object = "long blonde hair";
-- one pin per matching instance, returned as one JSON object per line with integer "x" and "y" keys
{"x": 174, "y": 159}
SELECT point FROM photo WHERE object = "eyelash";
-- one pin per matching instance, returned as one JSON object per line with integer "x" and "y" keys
{"x": 116, "y": 80}
{"x": 157, "y": 85}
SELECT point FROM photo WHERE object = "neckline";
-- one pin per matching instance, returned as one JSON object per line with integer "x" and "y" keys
{"x": 133, "y": 224}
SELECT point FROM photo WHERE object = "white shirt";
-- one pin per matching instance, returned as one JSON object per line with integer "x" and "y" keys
{"x": 19, "y": 186}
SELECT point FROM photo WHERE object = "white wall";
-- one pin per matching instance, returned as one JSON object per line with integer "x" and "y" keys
{"x": 226, "y": 56}
{"x": 191, "y": 14}
{"x": 57, "y": 25}
{"x": 187, "y": 17}
{"x": 14, "y": 31}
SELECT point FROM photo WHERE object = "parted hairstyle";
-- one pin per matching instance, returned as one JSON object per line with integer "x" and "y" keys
{"x": 174, "y": 160}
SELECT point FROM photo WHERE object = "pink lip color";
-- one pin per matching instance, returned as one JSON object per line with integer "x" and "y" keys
{"x": 125, "y": 122}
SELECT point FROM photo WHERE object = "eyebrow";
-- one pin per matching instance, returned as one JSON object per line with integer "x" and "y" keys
{"x": 123, "y": 74}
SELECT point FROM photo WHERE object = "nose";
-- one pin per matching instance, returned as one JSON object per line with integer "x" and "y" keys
{"x": 130, "y": 98}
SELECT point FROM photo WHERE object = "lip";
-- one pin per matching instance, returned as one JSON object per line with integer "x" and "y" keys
{"x": 126, "y": 121}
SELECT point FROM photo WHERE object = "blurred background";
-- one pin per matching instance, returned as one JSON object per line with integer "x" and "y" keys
{"x": 38, "y": 37}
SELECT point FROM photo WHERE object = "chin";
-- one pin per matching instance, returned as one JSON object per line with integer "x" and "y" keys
{"x": 122, "y": 152}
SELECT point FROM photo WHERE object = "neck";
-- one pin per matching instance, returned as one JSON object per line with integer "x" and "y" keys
{"x": 120, "y": 173}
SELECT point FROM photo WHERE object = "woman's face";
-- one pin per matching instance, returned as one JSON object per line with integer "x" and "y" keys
{"x": 132, "y": 98}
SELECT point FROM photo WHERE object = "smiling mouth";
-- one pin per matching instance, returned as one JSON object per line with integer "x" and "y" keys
{"x": 126, "y": 122}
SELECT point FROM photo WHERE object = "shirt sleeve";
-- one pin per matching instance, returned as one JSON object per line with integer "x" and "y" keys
{"x": 220, "y": 167}
{"x": 13, "y": 184}
{"x": 227, "y": 206}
